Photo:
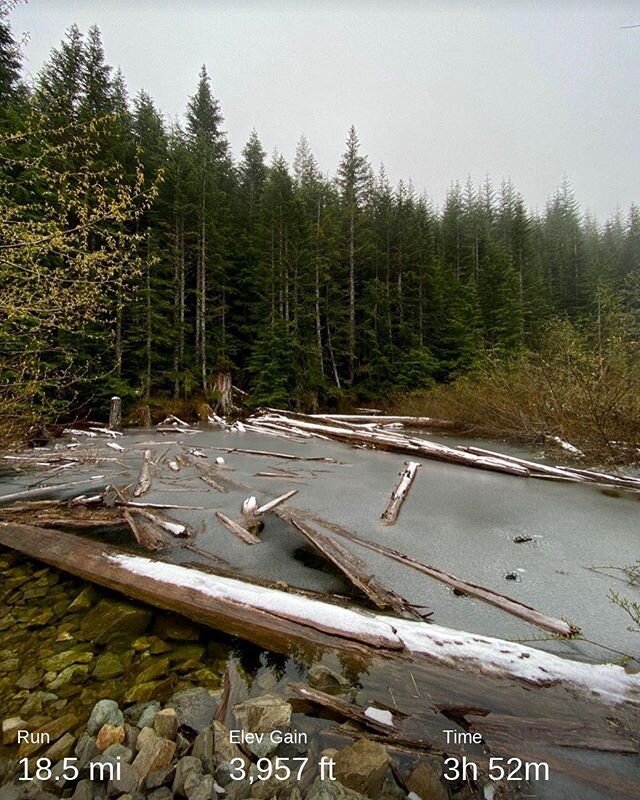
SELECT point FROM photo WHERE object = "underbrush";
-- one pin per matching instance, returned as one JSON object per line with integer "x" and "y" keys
{"x": 582, "y": 386}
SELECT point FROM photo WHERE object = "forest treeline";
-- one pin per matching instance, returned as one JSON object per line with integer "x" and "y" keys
{"x": 140, "y": 257}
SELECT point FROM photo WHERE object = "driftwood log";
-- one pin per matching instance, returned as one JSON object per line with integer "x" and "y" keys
{"x": 399, "y": 494}
{"x": 352, "y": 567}
{"x": 237, "y": 530}
{"x": 144, "y": 479}
{"x": 489, "y": 596}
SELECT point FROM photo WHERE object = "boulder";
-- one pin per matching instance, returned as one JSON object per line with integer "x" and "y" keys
{"x": 170, "y": 626}
{"x": 362, "y": 767}
{"x": 203, "y": 749}
{"x": 203, "y": 789}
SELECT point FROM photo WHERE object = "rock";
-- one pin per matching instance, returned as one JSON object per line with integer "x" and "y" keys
{"x": 39, "y": 620}
{"x": 112, "y": 620}
{"x": 130, "y": 735}
{"x": 333, "y": 790}
{"x": 71, "y": 676}
{"x": 10, "y": 728}
{"x": 86, "y": 749}
{"x": 158, "y": 646}
{"x": 224, "y": 751}
{"x": 161, "y": 777}
{"x": 425, "y": 781}
{"x": 31, "y": 678}
{"x": 119, "y": 752}
{"x": 108, "y": 665}
{"x": 156, "y": 754}
{"x": 84, "y": 790}
{"x": 195, "y": 707}
{"x": 66, "y": 658}
{"x": 127, "y": 781}
{"x": 54, "y": 729}
{"x": 326, "y": 680}
{"x": 60, "y": 749}
{"x": 186, "y": 652}
{"x": 203, "y": 749}
{"x": 84, "y": 601}
{"x": 263, "y": 714}
{"x": 146, "y": 735}
{"x": 108, "y": 735}
{"x": 203, "y": 790}
{"x": 163, "y": 793}
{"x": 105, "y": 712}
{"x": 142, "y": 714}
{"x": 158, "y": 668}
{"x": 170, "y": 626}
{"x": 362, "y": 767}
{"x": 188, "y": 775}
{"x": 144, "y": 692}
{"x": 165, "y": 723}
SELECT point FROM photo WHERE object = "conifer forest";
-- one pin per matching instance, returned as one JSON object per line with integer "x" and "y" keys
{"x": 142, "y": 256}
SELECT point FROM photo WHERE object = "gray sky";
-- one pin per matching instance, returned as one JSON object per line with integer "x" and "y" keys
{"x": 527, "y": 90}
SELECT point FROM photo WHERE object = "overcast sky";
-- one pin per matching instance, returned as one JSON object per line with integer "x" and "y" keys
{"x": 437, "y": 91}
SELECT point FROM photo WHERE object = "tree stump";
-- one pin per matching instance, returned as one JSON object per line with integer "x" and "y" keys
{"x": 115, "y": 414}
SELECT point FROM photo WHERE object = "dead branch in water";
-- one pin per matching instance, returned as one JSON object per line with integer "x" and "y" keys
{"x": 237, "y": 530}
{"x": 144, "y": 480}
{"x": 145, "y": 535}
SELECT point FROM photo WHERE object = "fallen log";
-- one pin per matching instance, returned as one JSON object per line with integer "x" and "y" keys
{"x": 352, "y": 567}
{"x": 213, "y": 483}
{"x": 399, "y": 494}
{"x": 347, "y": 711}
{"x": 237, "y": 530}
{"x": 398, "y": 443}
{"x": 378, "y": 419}
{"x": 493, "y": 598}
{"x": 270, "y": 454}
{"x": 44, "y": 490}
{"x": 271, "y": 504}
{"x": 144, "y": 480}
{"x": 171, "y": 526}
{"x": 275, "y": 619}
{"x": 144, "y": 534}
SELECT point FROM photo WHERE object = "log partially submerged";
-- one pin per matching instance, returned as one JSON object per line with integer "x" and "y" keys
{"x": 145, "y": 535}
{"x": 144, "y": 479}
{"x": 237, "y": 530}
{"x": 399, "y": 494}
{"x": 352, "y": 567}
{"x": 341, "y": 708}
{"x": 493, "y": 598}
{"x": 397, "y": 443}
{"x": 275, "y": 619}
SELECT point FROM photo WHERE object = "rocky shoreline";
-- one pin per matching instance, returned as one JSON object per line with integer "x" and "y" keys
{"x": 117, "y": 683}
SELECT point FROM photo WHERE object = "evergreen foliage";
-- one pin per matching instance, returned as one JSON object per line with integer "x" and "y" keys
{"x": 310, "y": 288}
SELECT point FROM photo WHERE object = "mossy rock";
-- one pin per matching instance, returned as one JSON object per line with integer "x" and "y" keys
{"x": 108, "y": 665}
{"x": 114, "y": 620}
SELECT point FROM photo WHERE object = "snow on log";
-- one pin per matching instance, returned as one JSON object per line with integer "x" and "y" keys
{"x": 274, "y": 618}
{"x": 398, "y": 443}
{"x": 390, "y": 514}
{"x": 489, "y": 596}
